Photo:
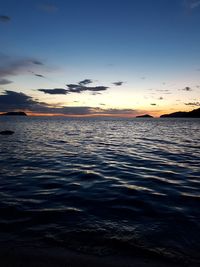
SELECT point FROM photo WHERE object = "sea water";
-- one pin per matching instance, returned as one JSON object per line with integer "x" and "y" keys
{"x": 102, "y": 185}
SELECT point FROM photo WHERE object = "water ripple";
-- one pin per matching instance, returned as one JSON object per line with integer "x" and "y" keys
{"x": 100, "y": 185}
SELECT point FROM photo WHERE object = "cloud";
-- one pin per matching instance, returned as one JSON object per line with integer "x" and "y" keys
{"x": 85, "y": 82}
{"x": 187, "y": 89}
{"x": 192, "y": 4}
{"x": 114, "y": 111}
{"x": 55, "y": 91}
{"x": 74, "y": 110}
{"x": 153, "y": 104}
{"x": 161, "y": 98}
{"x": 10, "y": 66}
{"x": 95, "y": 93}
{"x": 96, "y": 111}
{"x": 5, "y": 81}
{"x": 197, "y": 104}
{"x": 79, "y": 88}
{"x": 49, "y": 8}
{"x": 36, "y": 62}
{"x": 12, "y": 101}
{"x": 39, "y": 75}
{"x": 73, "y": 88}
{"x": 118, "y": 83}
{"x": 4, "y": 18}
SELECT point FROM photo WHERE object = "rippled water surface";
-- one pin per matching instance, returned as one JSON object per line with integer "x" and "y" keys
{"x": 102, "y": 185}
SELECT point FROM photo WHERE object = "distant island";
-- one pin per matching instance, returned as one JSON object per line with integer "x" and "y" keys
{"x": 183, "y": 114}
{"x": 17, "y": 113}
{"x": 144, "y": 116}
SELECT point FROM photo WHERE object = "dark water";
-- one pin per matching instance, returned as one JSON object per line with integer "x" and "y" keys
{"x": 102, "y": 186}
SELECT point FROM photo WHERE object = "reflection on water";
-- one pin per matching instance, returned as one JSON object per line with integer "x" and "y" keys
{"x": 102, "y": 185}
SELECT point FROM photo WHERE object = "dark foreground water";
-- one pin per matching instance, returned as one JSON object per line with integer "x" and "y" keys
{"x": 102, "y": 186}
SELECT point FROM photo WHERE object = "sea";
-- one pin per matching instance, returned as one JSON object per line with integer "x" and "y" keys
{"x": 102, "y": 186}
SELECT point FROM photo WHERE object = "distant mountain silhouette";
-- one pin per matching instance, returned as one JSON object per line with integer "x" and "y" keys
{"x": 144, "y": 116}
{"x": 18, "y": 113}
{"x": 183, "y": 114}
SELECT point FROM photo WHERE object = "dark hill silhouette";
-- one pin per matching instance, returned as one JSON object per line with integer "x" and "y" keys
{"x": 14, "y": 113}
{"x": 183, "y": 114}
{"x": 144, "y": 116}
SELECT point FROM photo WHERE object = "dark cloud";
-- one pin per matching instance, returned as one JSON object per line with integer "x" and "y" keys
{"x": 49, "y": 8}
{"x": 36, "y": 62}
{"x": 4, "y": 18}
{"x": 12, "y": 101}
{"x": 10, "y": 67}
{"x": 187, "y": 88}
{"x": 85, "y": 82}
{"x": 96, "y": 88}
{"x": 39, "y": 75}
{"x": 153, "y": 104}
{"x": 113, "y": 111}
{"x": 197, "y": 104}
{"x": 160, "y": 90}
{"x": 161, "y": 98}
{"x": 195, "y": 4}
{"x": 192, "y": 4}
{"x": 5, "y": 81}
{"x": 74, "y": 88}
{"x": 79, "y": 88}
{"x": 95, "y": 93}
{"x": 118, "y": 83}
{"x": 55, "y": 91}
{"x": 75, "y": 110}
{"x": 91, "y": 111}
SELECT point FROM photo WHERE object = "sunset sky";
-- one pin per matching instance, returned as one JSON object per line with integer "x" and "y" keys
{"x": 85, "y": 57}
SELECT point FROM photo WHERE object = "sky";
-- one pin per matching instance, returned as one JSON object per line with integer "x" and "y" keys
{"x": 99, "y": 57}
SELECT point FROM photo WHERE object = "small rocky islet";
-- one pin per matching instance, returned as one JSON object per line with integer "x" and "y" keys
{"x": 144, "y": 116}
{"x": 7, "y": 132}
{"x": 14, "y": 113}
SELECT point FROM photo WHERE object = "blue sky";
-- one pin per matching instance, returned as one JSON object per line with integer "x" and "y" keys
{"x": 152, "y": 46}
